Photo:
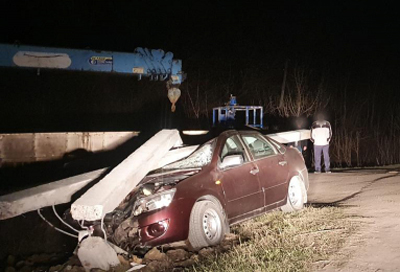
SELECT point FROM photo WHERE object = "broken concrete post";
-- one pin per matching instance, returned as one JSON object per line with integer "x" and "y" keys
{"x": 54, "y": 193}
{"x": 108, "y": 193}
{"x": 95, "y": 252}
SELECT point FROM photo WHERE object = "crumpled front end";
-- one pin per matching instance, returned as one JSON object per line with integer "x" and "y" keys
{"x": 146, "y": 213}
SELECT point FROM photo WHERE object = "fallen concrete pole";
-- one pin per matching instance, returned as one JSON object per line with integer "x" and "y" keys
{"x": 59, "y": 192}
{"x": 108, "y": 193}
{"x": 54, "y": 193}
{"x": 176, "y": 155}
{"x": 290, "y": 136}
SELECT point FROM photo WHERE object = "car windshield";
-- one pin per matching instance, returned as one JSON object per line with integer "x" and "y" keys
{"x": 198, "y": 159}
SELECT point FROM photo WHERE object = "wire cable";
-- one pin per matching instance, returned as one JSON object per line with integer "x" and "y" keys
{"x": 57, "y": 229}
{"x": 102, "y": 228}
{"x": 62, "y": 221}
{"x": 82, "y": 224}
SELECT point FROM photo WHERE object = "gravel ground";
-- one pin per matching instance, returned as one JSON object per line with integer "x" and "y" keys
{"x": 373, "y": 197}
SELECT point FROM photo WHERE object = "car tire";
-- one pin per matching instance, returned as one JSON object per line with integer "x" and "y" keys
{"x": 207, "y": 226}
{"x": 296, "y": 196}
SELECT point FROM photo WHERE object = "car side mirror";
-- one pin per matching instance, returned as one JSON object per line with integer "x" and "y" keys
{"x": 232, "y": 160}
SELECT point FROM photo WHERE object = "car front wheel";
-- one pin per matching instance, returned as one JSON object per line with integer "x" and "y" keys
{"x": 207, "y": 226}
{"x": 296, "y": 195}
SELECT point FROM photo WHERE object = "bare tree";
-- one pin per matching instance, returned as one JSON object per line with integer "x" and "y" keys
{"x": 300, "y": 98}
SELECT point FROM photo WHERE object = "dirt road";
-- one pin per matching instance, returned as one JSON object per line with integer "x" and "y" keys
{"x": 374, "y": 198}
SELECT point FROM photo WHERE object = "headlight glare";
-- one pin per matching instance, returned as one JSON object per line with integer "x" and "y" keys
{"x": 154, "y": 202}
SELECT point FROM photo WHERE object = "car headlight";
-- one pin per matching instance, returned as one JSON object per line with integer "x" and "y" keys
{"x": 154, "y": 202}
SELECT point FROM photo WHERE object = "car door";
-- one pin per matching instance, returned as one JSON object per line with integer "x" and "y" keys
{"x": 241, "y": 186}
{"x": 272, "y": 166}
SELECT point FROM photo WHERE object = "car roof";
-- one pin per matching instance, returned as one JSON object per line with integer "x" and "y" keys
{"x": 233, "y": 131}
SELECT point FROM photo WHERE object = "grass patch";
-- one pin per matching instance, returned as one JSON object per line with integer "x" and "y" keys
{"x": 283, "y": 241}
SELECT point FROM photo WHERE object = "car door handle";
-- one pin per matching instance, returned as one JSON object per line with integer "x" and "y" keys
{"x": 282, "y": 163}
{"x": 254, "y": 171}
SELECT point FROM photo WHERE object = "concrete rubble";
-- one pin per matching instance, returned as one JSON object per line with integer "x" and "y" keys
{"x": 95, "y": 252}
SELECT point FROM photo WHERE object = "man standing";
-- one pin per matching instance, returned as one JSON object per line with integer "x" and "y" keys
{"x": 321, "y": 134}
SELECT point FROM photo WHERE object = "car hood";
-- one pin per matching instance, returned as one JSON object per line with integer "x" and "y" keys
{"x": 171, "y": 176}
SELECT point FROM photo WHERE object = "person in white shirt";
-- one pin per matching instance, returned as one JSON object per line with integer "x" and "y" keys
{"x": 321, "y": 134}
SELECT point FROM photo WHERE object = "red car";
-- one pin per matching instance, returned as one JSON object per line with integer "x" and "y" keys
{"x": 231, "y": 178}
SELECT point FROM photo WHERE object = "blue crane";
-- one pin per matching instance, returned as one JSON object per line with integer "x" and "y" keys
{"x": 154, "y": 64}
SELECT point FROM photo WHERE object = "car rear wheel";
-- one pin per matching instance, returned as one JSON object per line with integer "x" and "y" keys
{"x": 208, "y": 225}
{"x": 296, "y": 196}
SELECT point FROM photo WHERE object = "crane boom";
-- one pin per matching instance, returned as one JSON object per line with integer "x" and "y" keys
{"x": 142, "y": 62}
{"x": 151, "y": 63}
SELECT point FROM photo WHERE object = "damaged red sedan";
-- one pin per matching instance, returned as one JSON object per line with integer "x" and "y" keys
{"x": 231, "y": 178}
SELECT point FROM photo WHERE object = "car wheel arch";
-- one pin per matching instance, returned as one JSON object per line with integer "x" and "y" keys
{"x": 216, "y": 201}
{"x": 213, "y": 199}
{"x": 295, "y": 178}
{"x": 296, "y": 173}
{"x": 192, "y": 240}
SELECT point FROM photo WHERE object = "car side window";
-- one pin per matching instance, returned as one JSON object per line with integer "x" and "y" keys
{"x": 231, "y": 147}
{"x": 258, "y": 146}
{"x": 280, "y": 148}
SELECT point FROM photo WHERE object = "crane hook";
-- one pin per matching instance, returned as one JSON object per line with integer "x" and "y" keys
{"x": 173, "y": 96}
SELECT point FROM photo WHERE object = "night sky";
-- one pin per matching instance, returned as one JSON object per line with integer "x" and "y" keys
{"x": 354, "y": 42}
{"x": 226, "y": 29}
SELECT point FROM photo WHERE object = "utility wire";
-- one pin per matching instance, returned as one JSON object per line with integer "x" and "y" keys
{"x": 62, "y": 221}
{"x": 57, "y": 229}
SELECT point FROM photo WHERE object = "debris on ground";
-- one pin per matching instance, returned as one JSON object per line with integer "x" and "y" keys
{"x": 95, "y": 252}
{"x": 155, "y": 260}
{"x": 276, "y": 236}
{"x": 36, "y": 262}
